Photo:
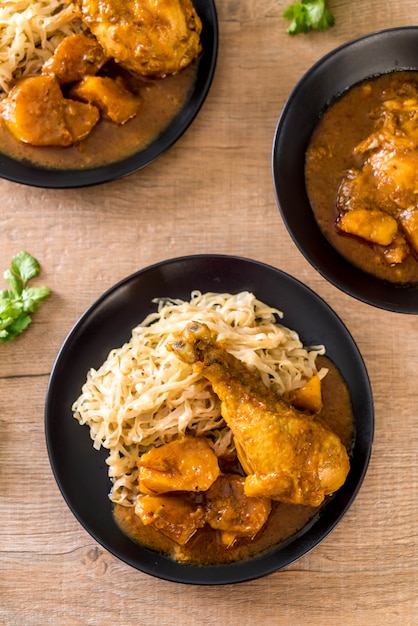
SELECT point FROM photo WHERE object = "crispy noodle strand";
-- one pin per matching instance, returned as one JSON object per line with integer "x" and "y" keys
{"x": 143, "y": 396}
{"x": 30, "y": 31}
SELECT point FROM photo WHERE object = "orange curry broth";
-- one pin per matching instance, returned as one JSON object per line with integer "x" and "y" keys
{"x": 344, "y": 124}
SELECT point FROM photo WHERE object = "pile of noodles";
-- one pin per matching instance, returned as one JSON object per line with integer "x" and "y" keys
{"x": 30, "y": 31}
{"x": 143, "y": 395}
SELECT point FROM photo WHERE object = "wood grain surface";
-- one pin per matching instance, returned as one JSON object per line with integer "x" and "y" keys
{"x": 211, "y": 192}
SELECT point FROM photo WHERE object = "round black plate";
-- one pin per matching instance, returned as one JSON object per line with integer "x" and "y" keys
{"x": 81, "y": 472}
{"x": 20, "y": 172}
{"x": 374, "y": 54}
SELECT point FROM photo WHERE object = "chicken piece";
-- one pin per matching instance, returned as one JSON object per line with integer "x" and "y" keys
{"x": 288, "y": 456}
{"x": 226, "y": 508}
{"x": 174, "y": 516}
{"x": 356, "y": 191}
{"x": 396, "y": 123}
{"x": 395, "y": 175}
{"x": 230, "y": 511}
{"x": 149, "y": 37}
{"x": 397, "y": 251}
{"x": 112, "y": 99}
{"x": 374, "y": 225}
{"x": 409, "y": 222}
{"x": 75, "y": 57}
{"x": 387, "y": 180}
{"x": 36, "y": 113}
{"x": 187, "y": 464}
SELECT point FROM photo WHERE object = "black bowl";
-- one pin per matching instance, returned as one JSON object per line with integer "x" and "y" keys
{"x": 366, "y": 57}
{"x": 29, "y": 174}
{"x": 81, "y": 471}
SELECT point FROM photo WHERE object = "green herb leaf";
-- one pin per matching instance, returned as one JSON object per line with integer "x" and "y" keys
{"x": 17, "y": 303}
{"x": 25, "y": 266}
{"x": 14, "y": 281}
{"x": 307, "y": 15}
{"x": 31, "y": 296}
{"x": 16, "y": 328}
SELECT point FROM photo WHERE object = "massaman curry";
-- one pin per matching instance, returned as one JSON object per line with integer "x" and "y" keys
{"x": 362, "y": 176}
{"x": 291, "y": 455}
{"x": 107, "y": 92}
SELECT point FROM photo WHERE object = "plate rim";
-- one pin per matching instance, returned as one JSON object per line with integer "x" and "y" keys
{"x": 308, "y": 538}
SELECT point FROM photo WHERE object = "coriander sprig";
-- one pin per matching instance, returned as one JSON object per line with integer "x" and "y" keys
{"x": 20, "y": 301}
{"x": 307, "y": 15}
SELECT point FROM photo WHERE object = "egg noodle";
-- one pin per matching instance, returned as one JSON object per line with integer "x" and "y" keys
{"x": 143, "y": 395}
{"x": 30, "y": 30}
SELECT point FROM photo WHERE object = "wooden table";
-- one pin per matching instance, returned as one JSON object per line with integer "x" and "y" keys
{"x": 212, "y": 192}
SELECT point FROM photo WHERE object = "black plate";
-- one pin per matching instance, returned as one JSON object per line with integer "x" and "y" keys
{"x": 372, "y": 55}
{"x": 81, "y": 472}
{"x": 28, "y": 174}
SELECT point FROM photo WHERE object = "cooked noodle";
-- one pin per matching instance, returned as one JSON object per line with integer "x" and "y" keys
{"x": 30, "y": 30}
{"x": 143, "y": 395}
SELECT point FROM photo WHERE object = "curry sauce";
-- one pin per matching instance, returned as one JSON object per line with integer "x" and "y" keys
{"x": 333, "y": 155}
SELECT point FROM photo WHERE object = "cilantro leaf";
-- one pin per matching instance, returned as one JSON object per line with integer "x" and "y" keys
{"x": 307, "y": 15}
{"x": 31, "y": 296}
{"x": 25, "y": 266}
{"x": 20, "y": 301}
{"x": 15, "y": 328}
{"x": 14, "y": 281}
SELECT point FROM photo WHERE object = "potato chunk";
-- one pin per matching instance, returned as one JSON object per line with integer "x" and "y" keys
{"x": 372, "y": 225}
{"x": 309, "y": 396}
{"x": 75, "y": 57}
{"x": 80, "y": 118}
{"x": 188, "y": 464}
{"x": 114, "y": 101}
{"x": 33, "y": 112}
{"x": 36, "y": 113}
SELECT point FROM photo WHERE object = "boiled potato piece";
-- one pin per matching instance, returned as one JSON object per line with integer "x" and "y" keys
{"x": 33, "y": 112}
{"x": 309, "y": 396}
{"x": 372, "y": 225}
{"x": 75, "y": 57}
{"x": 80, "y": 118}
{"x": 114, "y": 101}
{"x": 36, "y": 113}
{"x": 188, "y": 464}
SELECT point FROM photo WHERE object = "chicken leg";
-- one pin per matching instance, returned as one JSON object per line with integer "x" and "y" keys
{"x": 288, "y": 455}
